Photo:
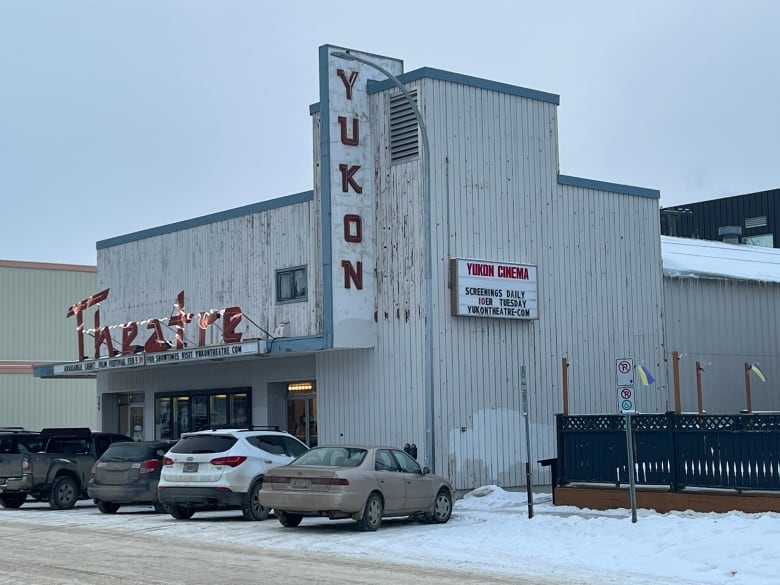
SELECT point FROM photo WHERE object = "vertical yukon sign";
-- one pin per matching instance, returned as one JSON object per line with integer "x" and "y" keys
{"x": 349, "y": 194}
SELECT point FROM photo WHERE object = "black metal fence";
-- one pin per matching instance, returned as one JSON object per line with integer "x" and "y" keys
{"x": 737, "y": 451}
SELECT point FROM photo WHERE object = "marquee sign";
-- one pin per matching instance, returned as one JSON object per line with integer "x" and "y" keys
{"x": 500, "y": 290}
{"x": 196, "y": 354}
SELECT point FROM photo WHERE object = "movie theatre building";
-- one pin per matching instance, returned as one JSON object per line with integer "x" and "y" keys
{"x": 425, "y": 289}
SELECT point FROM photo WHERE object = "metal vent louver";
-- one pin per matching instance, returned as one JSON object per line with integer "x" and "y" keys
{"x": 404, "y": 132}
{"x": 754, "y": 222}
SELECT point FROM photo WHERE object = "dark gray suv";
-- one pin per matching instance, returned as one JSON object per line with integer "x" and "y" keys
{"x": 127, "y": 474}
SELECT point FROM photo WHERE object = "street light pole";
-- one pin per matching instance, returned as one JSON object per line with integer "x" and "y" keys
{"x": 429, "y": 406}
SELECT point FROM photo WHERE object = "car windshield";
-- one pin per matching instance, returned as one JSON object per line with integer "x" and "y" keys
{"x": 128, "y": 452}
{"x": 332, "y": 457}
{"x": 204, "y": 444}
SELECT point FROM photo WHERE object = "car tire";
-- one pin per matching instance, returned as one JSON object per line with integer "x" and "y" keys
{"x": 252, "y": 508}
{"x": 288, "y": 519}
{"x": 107, "y": 507}
{"x": 180, "y": 512}
{"x": 442, "y": 508}
{"x": 64, "y": 493}
{"x": 12, "y": 500}
{"x": 372, "y": 513}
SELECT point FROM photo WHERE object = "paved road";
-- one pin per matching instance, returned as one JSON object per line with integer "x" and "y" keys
{"x": 40, "y": 553}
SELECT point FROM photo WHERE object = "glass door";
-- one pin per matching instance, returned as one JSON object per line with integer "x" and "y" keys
{"x": 137, "y": 422}
{"x": 302, "y": 418}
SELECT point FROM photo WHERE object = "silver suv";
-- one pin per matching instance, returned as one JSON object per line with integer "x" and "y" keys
{"x": 223, "y": 470}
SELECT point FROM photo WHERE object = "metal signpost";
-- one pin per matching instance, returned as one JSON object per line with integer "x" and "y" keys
{"x": 529, "y": 490}
{"x": 626, "y": 404}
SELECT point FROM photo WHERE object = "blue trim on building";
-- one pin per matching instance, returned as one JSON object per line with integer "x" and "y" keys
{"x": 282, "y": 345}
{"x": 430, "y": 73}
{"x": 44, "y": 371}
{"x": 611, "y": 187}
{"x": 208, "y": 219}
{"x": 325, "y": 199}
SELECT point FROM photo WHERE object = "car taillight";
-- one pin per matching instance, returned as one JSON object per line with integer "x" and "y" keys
{"x": 230, "y": 461}
{"x": 167, "y": 461}
{"x": 146, "y": 466}
{"x": 329, "y": 481}
{"x": 274, "y": 479}
{"x": 312, "y": 480}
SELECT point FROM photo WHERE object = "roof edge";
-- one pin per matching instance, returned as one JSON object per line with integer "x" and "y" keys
{"x": 441, "y": 75}
{"x": 611, "y": 187}
{"x": 259, "y": 207}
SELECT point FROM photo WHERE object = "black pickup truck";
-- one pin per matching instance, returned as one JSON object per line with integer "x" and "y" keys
{"x": 52, "y": 465}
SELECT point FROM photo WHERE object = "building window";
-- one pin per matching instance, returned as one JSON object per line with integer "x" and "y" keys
{"x": 766, "y": 240}
{"x": 291, "y": 285}
{"x": 182, "y": 412}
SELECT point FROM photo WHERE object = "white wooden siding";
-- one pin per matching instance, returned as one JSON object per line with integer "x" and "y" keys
{"x": 221, "y": 264}
{"x": 495, "y": 196}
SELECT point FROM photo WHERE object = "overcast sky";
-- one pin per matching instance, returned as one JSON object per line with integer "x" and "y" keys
{"x": 124, "y": 115}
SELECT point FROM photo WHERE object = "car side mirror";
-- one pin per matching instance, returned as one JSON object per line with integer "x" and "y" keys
{"x": 426, "y": 470}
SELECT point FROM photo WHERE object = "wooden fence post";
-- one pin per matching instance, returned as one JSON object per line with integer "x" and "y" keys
{"x": 676, "y": 373}
{"x": 699, "y": 370}
{"x": 565, "y": 378}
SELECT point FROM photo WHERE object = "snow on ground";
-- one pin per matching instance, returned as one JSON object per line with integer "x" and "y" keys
{"x": 490, "y": 531}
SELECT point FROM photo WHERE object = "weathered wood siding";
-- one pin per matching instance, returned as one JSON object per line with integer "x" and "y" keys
{"x": 220, "y": 264}
{"x": 723, "y": 324}
{"x": 495, "y": 196}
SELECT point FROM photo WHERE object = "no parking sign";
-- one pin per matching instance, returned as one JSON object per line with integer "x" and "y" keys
{"x": 626, "y": 399}
{"x": 624, "y": 370}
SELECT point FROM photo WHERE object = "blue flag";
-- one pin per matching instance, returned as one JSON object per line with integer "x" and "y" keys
{"x": 644, "y": 375}
{"x": 757, "y": 371}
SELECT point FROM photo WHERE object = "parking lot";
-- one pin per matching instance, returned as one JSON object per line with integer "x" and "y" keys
{"x": 84, "y": 547}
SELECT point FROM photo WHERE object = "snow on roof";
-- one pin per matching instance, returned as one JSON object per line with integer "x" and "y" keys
{"x": 689, "y": 258}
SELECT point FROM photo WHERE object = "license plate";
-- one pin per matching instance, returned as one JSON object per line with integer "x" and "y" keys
{"x": 190, "y": 467}
{"x": 299, "y": 484}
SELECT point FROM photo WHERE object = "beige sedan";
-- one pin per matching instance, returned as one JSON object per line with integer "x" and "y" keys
{"x": 358, "y": 482}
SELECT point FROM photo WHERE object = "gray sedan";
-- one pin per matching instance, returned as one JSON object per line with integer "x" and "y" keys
{"x": 359, "y": 482}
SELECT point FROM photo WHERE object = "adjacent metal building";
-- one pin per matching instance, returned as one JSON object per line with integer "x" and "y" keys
{"x": 34, "y": 331}
{"x": 751, "y": 218}
{"x": 721, "y": 310}
{"x": 440, "y": 254}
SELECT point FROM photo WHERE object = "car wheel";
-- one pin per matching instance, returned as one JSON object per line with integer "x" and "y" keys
{"x": 180, "y": 512}
{"x": 253, "y": 509}
{"x": 64, "y": 493}
{"x": 107, "y": 507}
{"x": 372, "y": 513}
{"x": 442, "y": 508}
{"x": 288, "y": 519}
{"x": 12, "y": 500}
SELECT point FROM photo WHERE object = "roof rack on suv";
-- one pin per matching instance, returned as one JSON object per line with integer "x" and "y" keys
{"x": 16, "y": 430}
{"x": 71, "y": 432}
{"x": 245, "y": 428}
